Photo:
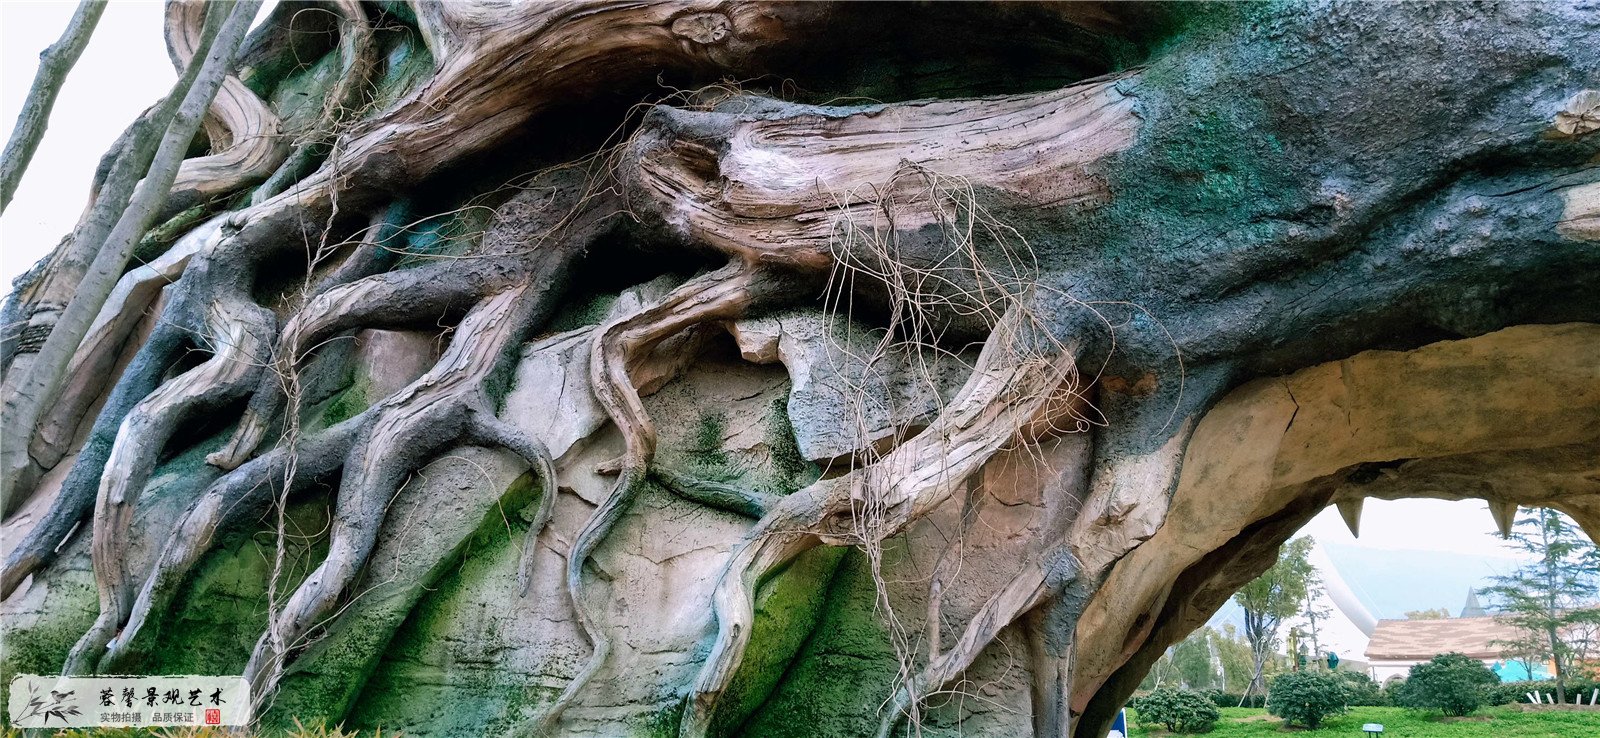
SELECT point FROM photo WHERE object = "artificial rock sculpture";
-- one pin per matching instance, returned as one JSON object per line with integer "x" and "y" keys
{"x": 890, "y": 366}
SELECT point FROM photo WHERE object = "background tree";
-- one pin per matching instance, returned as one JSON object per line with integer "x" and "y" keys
{"x": 1234, "y": 658}
{"x": 1269, "y": 600}
{"x": 1551, "y": 599}
{"x": 1530, "y": 649}
{"x": 1192, "y": 657}
{"x": 1432, "y": 613}
{"x": 1163, "y": 675}
{"x": 1315, "y": 614}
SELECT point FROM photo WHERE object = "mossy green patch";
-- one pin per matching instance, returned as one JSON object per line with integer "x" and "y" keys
{"x": 432, "y": 676}
{"x": 705, "y": 447}
{"x": 790, "y": 470}
{"x": 347, "y": 404}
{"x": 221, "y": 610}
{"x": 1166, "y": 25}
{"x": 787, "y": 608}
{"x": 216, "y": 618}
{"x": 338, "y": 669}
{"x": 41, "y": 647}
{"x": 583, "y": 311}
{"x": 157, "y": 240}
{"x": 407, "y": 62}
{"x": 1207, "y": 171}
{"x": 663, "y": 723}
{"x": 842, "y": 674}
{"x": 298, "y": 99}
{"x": 447, "y": 234}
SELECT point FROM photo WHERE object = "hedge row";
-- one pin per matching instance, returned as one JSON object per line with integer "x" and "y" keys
{"x": 1514, "y": 692}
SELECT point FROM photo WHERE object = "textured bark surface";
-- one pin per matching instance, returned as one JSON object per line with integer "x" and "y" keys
{"x": 779, "y": 369}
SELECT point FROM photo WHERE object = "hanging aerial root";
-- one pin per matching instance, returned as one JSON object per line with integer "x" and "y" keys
{"x": 950, "y": 562}
{"x": 1009, "y": 386}
{"x": 719, "y": 295}
{"x": 341, "y": 103}
{"x": 1044, "y": 576}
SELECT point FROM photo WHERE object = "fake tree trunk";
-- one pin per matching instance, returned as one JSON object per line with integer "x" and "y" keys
{"x": 799, "y": 369}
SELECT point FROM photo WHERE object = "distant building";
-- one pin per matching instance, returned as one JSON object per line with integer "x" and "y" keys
{"x": 1397, "y": 645}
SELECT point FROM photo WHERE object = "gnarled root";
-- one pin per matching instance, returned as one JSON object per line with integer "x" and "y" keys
{"x": 93, "y": 365}
{"x": 1011, "y": 385}
{"x": 236, "y": 497}
{"x": 392, "y": 299}
{"x": 243, "y": 129}
{"x": 444, "y": 405}
{"x": 722, "y": 294}
{"x": 241, "y": 332}
{"x": 734, "y": 599}
{"x": 489, "y": 430}
{"x": 78, "y": 491}
{"x": 733, "y": 498}
{"x": 408, "y": 429}
{"x": 1045, "y": 576}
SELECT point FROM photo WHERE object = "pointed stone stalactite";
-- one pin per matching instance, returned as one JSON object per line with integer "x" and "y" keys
{"x": 1350, "y": 510}
{"x": 1505, "y": 515}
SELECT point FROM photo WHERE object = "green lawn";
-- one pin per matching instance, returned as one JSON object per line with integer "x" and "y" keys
{"x": 1489, "y": 722}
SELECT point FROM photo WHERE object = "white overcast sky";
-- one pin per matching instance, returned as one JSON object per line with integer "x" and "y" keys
{"x": 125, "y": 69}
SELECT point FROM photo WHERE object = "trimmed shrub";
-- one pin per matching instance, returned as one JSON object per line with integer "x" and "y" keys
{"x": 1454, "y": 683}
{"x": 1511, "y": 693}
{"x": 1234, "y": 699}
{"x": 1361, "y": 690}
{"x": 1180, "y": 710}
{"x": 1306, "y": 697}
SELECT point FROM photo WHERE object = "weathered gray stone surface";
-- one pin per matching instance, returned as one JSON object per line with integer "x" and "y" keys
{"x": 851, "y": 392}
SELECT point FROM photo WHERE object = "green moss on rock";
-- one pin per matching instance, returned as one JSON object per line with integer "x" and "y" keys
{"x": 787, "y": 608}
{"x": 221, "y": 611}
{"x": 409, "y": 687}
{"x": 790, "y": 469}
{"x": 842, "y": 674}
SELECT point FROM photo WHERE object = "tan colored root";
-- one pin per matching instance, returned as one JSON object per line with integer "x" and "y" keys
{"x": 491, "y": 431}
{"x": 1003, "y": 395}
{"x": 244, "y": 131}
{"x": 949, "y": 564}
{"x": 1030, "y": 587}
{"x": 240, "y": 348}
{"x": 722, "y": 294}
{"x": 734, "y": 604}
{"x": 408, "y": 427}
